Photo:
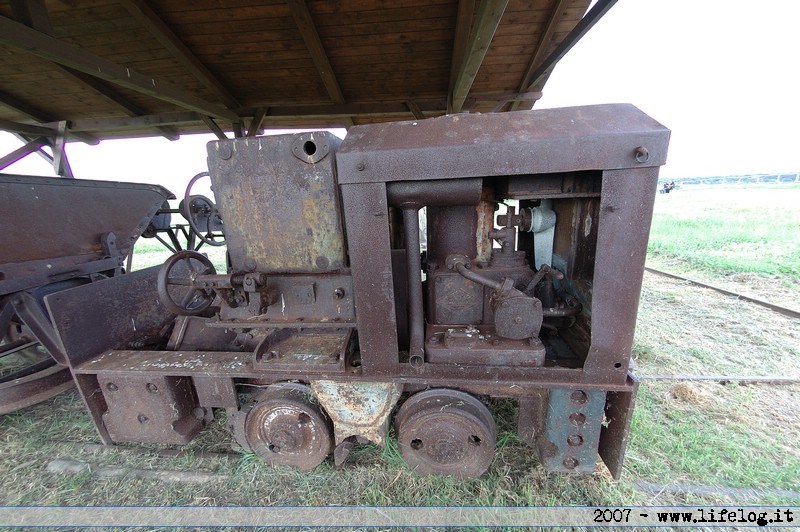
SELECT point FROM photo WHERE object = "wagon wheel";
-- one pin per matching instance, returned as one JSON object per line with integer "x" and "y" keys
{"x": 287, "y": 427}
{"x": 446, "y": 432}
{"x": 203, "y": 216}
{"x": 176, "y": 283}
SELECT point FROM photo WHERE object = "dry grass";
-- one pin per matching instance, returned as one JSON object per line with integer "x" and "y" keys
{"x": 692, "y": 432}
{"x": 702, "y": 433}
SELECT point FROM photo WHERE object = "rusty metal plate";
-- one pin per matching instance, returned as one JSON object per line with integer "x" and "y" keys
{"x": 150, "y": 409}
{"x": 53, "y": 217}
{"x": 108, "y": 314}
{"x": 34, "y": 388}
{"x": 479, "y": 345}
{"x": 572, "y": 433}
{"x": 177, "y": 363}
{"x": 534, "y": 142}
{"x": 291, "y": 349}
{"x": 303, "y": 299}
{"x": 279, "y": 201}
{"x": 615, "y": 434}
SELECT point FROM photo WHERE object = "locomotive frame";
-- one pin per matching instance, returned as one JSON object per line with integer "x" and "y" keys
{"x": 323, "y": 323}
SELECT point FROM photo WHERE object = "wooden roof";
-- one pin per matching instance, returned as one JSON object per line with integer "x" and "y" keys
{"x": 125, "y": 68}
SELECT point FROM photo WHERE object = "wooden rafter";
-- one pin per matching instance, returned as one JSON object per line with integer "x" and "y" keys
{"x": 60, "y": 162}
{"x": 27, "y": 129}
{"x": 281, "y": 112}
{"x": 214, "y": 128}
{"x": 33, "y": 13}
{"x": 539, "y": 75}
{"x": 302, "y": 17}
{"x": 137, "y": 122}
{"x": 31, "y": 146}
{"x": 41, "y": 153}
{"x": 38, "y": 115}
{"x": 142, "y": 12}
{"x": 464, "y": 16}
{"x": 258, "y": 118}
{"x": 556, "y": 15}
{"x": 486, "y": 21}
{"x": 415, "y": 110}
{"x": 41, "y": 45}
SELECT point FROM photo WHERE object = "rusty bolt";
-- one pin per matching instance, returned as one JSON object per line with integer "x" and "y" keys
{"x": 577, "y": 419}
{"x": 571, "y": 462}
{"x": 575, "y": 440}
{"x": 579, "y": 397}
{"x": 642, "y": 155}
{"x": 225, "y": 152}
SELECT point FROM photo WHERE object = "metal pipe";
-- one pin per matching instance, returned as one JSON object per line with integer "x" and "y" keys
{"x": 435, "y": 192}
{"x": 416, "y": 319}
{"x": 573, "y": 308}
{"x": 474, "y": 277}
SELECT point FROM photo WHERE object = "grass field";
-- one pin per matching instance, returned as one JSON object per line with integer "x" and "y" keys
{"x": 745, "y": 238}
{"x": 723, "y": 437}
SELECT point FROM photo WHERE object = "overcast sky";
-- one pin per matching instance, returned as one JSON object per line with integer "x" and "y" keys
{"x": 722, "y": 75}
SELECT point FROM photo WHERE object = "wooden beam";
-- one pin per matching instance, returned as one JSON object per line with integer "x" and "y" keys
{"x": 23, "y": 151}
{"x": 33, "y": 13}
{"x": 238, "y": 129}
{"x": 26, "y": 129}
{"x": 41, "y": 45}
{"x": 137, "y": 122}
{"x": 464, "y": 17}
{"x": 215, "y": 129}
{"x": 333, "y": 115}
{"x": 38, "y": 115}
{"x": 415, "y": 110}
{"x": 302, "y": 17}
{"x": 41, "y": 153}
{"x": 258, "y": 118}
{"x": 542, "y": 71}
{"x": 148, "y": 18}
{"x": 60, "y": 161}
{"x": 487, "y": 19}
{"x": 556, "y": 15}
{"x": 522, "y": 97}
{"x": 130, "y": 108}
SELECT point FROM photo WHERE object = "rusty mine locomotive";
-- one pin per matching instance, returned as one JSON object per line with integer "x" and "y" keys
{"x": 330, "y": 325}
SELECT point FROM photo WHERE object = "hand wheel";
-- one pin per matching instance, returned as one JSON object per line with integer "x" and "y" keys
{"x": 177, "y": 287}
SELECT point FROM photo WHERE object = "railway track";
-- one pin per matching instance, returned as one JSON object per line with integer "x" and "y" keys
{"x": 766, "y": 304}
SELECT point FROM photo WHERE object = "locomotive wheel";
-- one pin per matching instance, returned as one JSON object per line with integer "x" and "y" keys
{"x": 287, "y": 428}
{"x": 203, "y": 216}
{"x": 175, "y": 283}
{"x": 446, "y": 432}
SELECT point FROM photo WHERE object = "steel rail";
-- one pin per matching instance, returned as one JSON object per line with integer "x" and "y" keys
{"x": 777, "y": 308}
